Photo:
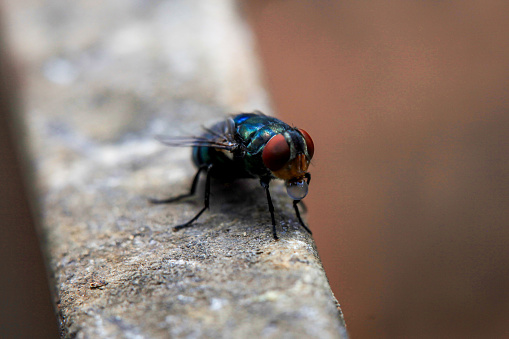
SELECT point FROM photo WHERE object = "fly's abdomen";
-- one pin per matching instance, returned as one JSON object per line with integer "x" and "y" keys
{"x": 225, "y": 166}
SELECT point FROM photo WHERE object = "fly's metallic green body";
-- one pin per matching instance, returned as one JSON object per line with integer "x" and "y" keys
{"x": 250, "y": 145}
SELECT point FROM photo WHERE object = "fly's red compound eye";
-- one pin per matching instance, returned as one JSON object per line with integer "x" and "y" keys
{"x": 309, "y": 142}
{"x": 276, "y": 153}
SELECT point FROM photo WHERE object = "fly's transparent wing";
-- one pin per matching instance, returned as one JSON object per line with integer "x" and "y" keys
{"x": 220, "y": 136}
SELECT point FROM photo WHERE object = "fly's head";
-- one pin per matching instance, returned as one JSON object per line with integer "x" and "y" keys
{"x": 287, "y": 156}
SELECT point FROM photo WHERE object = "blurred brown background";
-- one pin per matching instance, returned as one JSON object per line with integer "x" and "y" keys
{"x": 408, "y": 105}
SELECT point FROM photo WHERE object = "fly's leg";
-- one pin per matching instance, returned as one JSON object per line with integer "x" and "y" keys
{"x": 296, "y": 208}
{"x": 207, "y": 196}
{"x": 202, "y": 168}
{"x": 180, "y": 197}
{"x": 265, "y": 185}
{"x": 295, "y": 202}
{"x": 304, "y": 207}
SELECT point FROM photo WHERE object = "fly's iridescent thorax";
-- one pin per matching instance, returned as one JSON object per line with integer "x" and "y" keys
{"x": 256, "y": 130}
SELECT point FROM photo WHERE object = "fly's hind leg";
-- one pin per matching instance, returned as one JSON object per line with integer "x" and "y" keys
{"x": 182, "y": 196}
{"x": 206, "y": 168}
{"x": 206, "y": 203}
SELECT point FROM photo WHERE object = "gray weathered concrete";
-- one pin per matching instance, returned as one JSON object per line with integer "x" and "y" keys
{"x": 103, "y": 77}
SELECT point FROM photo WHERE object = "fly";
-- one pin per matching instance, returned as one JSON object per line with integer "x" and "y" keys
{"x": 249, "y": 145}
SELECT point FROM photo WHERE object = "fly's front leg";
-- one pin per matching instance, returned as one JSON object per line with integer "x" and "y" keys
{"x": 265, "y": 185}
{"x": 296, "y": 208}
{"x": 206, "y": 203}
{"x": 308, "y": 177}
{"x": 295, "y": 202}
{"x": 180, "y": 197}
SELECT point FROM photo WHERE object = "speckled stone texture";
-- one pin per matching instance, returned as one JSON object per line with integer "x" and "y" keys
{"x": 102, "y": 78}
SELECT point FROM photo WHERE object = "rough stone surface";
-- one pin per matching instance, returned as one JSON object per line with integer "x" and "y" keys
{"x": 103, "y": 77}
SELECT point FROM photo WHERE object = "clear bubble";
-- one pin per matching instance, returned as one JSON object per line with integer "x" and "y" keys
{"x": 297, "y": 190}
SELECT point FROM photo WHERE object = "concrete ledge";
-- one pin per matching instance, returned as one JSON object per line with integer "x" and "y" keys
{"x": 102, "y": 79}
